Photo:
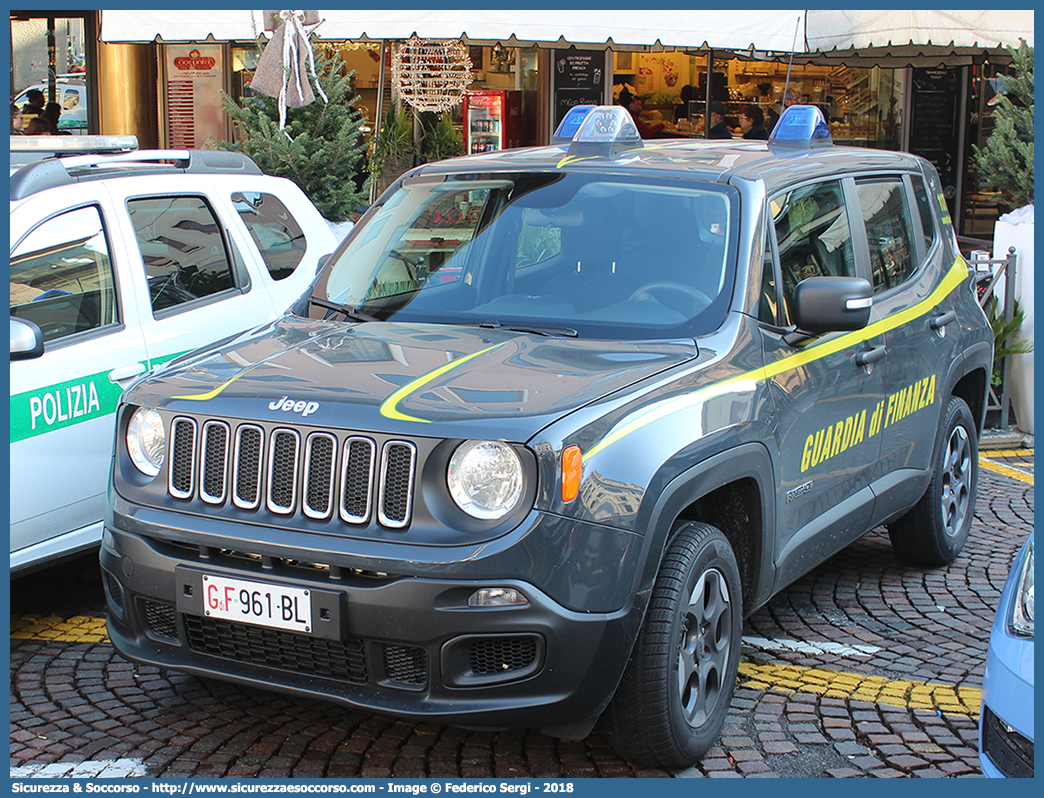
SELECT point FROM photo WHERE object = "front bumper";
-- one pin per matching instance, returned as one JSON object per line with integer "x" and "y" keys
{"x": 1006, "y": 723}
{"x": 405, "y": 644}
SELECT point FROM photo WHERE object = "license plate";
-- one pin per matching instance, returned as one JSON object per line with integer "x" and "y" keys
{"x": 258, "y": 603}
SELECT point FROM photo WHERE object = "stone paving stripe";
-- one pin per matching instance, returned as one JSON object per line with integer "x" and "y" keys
{"x": 101, "y": 769}
{"x": 1011, "y": 453}
{"x": 1006, "y": 470}
{"x": 901, "y": 693}
{"x": 820, "y": 647}
{"x": 77, "y": 629}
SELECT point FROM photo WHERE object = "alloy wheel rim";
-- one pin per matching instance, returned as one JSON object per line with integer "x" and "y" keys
{"x": 956, "y": 481}
{"x": 705, "y": 643}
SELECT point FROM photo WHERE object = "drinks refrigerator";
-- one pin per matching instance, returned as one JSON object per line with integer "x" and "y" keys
{"x": 492, "y": 120}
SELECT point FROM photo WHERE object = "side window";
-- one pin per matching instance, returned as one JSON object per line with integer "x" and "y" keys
{"x": 182, "y": 249}
{"x": 924, "y": 208}
{"x": 889, "y": 232}
{"x": 62, "y": 277}
{"x": 813, "y": 234}
{"x": 767, "y": 306}
{"x": 276, "y": 233}
{"x": 70, "y": 99}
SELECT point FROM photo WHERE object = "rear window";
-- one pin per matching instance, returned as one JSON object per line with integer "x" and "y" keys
{"x": 275, "y": 231}
{"x": 182, "y": 249}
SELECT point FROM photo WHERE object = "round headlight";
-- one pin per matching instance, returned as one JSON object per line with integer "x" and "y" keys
{"x": 485, "y": 479}
{"x": 146, "y": 441}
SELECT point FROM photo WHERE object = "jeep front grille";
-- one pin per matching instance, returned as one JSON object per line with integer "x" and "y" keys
{"x": 288, "y": 471}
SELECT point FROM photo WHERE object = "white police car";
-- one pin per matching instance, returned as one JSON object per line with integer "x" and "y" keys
{"x": 121, "y": 261}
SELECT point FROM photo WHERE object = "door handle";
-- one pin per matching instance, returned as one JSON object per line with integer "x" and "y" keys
{"x": 870, "y": 356}
{"x": 942, "y": 320}
{"x": 128, "y": 372}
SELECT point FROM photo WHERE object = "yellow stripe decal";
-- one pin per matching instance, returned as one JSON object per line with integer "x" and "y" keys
{"x": 957, "y": 275}
{"x": 211, "y": 394}
{"x": 388, "y": 409}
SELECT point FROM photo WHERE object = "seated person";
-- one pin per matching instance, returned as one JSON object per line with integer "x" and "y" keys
{"x": 633, "y": 103}
{"x": 718, "y": 128}
{"x": 752, "y": 122}
{"x": 682, "y": 111}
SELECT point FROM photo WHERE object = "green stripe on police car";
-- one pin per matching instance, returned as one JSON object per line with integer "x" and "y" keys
{"x": 62, "y": 405}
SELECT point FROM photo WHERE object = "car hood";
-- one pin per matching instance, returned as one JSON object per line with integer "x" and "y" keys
{"x": 404, "y": 378}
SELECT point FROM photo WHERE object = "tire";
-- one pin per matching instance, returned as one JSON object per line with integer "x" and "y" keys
{"x": 675, "y": 693}
{"x": 935, "y": 529}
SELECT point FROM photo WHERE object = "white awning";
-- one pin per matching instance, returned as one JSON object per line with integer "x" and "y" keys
{"x": 675, "y": 29}
{"x": 981, "y": 30}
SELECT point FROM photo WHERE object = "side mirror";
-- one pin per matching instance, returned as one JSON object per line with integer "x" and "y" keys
{"x": 26, "y": 340}
{"x": 830, "y": 304}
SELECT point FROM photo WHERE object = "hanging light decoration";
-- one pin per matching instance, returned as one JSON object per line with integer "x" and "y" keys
{"x": 431, "y": 74}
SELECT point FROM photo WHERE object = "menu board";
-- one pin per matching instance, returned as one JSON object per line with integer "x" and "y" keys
{"x": 579, "y": 79}
{"x": 193, "y": 104}
{"x": 934, "y": 124}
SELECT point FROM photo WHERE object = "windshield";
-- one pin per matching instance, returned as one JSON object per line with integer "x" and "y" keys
{"x": 590, "y": 255}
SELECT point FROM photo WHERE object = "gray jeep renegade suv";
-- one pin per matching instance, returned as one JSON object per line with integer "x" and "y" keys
{"x": 549, "y": 424}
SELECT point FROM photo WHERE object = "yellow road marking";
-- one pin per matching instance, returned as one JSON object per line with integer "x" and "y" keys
{"x": 1006, "y": 471}
{"x": 899, "y": 693}
{"x": 1008, "y": 453}
{"x": 78, "y": 629}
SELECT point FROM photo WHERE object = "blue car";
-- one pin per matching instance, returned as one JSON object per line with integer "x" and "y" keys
{"x": 1006, "y": 720}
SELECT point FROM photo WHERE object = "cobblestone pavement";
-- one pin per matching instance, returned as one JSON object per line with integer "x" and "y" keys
{"x": 866, "y": 666}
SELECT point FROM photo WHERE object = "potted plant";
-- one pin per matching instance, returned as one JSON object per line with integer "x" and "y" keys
{"x": 392, "y": 149}
{"x": 441, "y": 138}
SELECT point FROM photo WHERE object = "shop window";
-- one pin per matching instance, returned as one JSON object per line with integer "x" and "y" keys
{"x": 813, "y": 234}
{"x": 886, "y": 215}
{"x": 278, "y": 236}
{"x": 62, "y": 276}
{"x": 182, "y": 249}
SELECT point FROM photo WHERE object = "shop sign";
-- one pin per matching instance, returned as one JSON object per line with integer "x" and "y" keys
{"x": 579, "y": 79}
{"x": 192, "y": 94}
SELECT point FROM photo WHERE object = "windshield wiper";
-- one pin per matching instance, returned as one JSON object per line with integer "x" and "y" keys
{"x": 557, "y": 332}
{"x": 352, "y": 313}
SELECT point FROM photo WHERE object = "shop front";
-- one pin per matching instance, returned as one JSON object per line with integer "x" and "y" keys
{"x": 676, "y": 61}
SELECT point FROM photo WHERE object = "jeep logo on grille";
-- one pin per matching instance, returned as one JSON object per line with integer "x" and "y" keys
{"x": 288, "y": 405}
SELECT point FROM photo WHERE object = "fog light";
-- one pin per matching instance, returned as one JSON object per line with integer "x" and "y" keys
{"x": 497, "y": 597}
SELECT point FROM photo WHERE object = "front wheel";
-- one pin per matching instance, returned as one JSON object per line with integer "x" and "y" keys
{"x": 675, "y": 693}
{"x": 935, "y": 530}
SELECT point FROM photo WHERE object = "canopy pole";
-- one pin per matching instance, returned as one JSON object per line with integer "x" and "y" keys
{"x": 707, "y": 93}
{"x": 377, "y": 122}
{"x": 790, "y": 64}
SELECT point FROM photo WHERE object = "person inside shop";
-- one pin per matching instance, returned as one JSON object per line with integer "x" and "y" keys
{"x": 34, "y": 105}
{"x": 718, "y": 128}
{"x": 633, "y": 103}
{"x": 16, "y": 120}
{"x": 52, "y": 113}
{"x": 752, "y": 122}
{"x": 770, "y": 114}
{"x": 39, "y": 126}
{"x": 681, "y": 111}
